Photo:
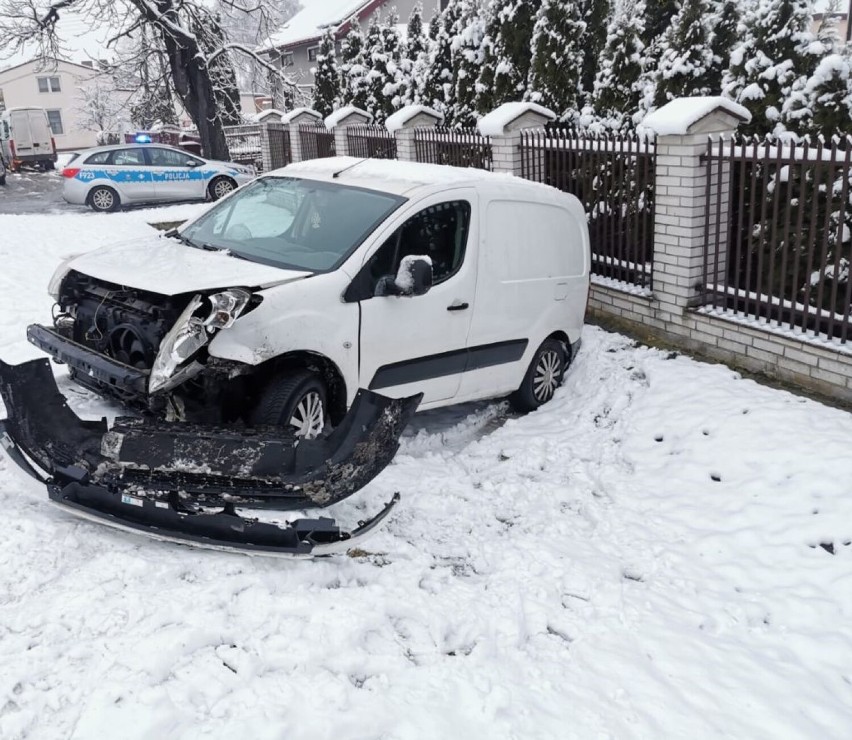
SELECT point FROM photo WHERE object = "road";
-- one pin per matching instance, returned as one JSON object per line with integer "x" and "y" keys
{"x": 34, "y": 192}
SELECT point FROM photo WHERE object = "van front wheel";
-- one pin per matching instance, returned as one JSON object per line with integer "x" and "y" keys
{"x": 543, "y": 377}
{"x": 297, "y": 401}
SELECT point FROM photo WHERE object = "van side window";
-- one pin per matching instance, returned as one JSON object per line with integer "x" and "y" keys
{"x": 439, "y": 232}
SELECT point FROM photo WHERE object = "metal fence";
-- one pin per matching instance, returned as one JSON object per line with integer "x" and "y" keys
{"x": 613, "y": 177}
{"x": 458, "y": 147}
{"x": 317, "y": 141}
{"x": 244, "y": 144}
{"x": 280, "y": 153}
{"x": 780, "y": 246}
{"x": 371, "y": 141}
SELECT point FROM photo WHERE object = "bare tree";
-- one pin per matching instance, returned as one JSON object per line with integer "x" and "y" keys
{"x": 100, "y": 109}
{"x": 189, "y": 34}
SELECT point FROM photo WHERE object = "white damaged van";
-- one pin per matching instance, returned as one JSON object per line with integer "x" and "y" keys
{"x": 279, "y": 302}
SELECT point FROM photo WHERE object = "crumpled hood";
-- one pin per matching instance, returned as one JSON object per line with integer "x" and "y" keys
{"x": 166, "y": 266}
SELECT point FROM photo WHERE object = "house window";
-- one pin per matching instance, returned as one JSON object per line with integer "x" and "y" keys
{"x": 54, "y": 117}
{"x": 312, "y": 53}
{"x": 48, "y": 84}
{"x": 287, "y": 59}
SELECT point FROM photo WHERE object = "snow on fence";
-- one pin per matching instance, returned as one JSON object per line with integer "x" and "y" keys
{"x": 459, "y": 147}
{"x": 371, "y": 141}
{"x": 613, "y": 177}
{"x": 780, "y": 248}
{"x": 317, "y": 141}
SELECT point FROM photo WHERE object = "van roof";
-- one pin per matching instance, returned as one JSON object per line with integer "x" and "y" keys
{"x": 399, "y": 178}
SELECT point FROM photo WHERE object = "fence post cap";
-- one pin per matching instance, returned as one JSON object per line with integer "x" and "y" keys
{"x": 696, "y": 115}
{"x": 348, "y": 116}
{"x": 301, "y": 115}
{"x": 413, "y": 116}
{"x": 514, "y": 117}
{"x": 266, "y": 114}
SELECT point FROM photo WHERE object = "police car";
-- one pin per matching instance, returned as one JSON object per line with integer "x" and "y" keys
{"x": 108, "y": 177}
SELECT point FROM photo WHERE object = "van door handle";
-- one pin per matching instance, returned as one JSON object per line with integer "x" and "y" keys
{"x": 458, "y": 307}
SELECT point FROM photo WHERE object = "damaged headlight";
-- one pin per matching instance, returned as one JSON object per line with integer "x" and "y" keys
{"x": 59, "y": 275}
{"x": 190, "y": 333}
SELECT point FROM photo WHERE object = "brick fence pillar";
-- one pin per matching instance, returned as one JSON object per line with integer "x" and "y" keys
{"x": 294, "y": 119}
{"x": 504, "y": 126}
{"x": 683, "y": 128}
{"x": 340, "y": 120}
{"x": 403, "y": 124}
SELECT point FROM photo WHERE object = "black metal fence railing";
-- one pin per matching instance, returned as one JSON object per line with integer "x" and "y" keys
{"x": 375, "y": 142}
{"x": 317, "y": 141}
{"x": 613, "y": 176}
{"x": 244, "y": 144}
{"x": 779, "y": 247}
{"x": 457, "y": 146}
{"x": 280, "y": 153}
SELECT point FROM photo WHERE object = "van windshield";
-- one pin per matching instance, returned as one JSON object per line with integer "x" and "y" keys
{"x": 293, "y": 223}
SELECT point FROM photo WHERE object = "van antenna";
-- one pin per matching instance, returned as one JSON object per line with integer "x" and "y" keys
{"x": 346, "y": 169}
{"x": 360, "y": 161}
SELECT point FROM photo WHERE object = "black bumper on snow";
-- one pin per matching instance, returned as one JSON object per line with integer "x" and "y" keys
{"x": 90, "y": 369}
{"x": 164, "y": 479}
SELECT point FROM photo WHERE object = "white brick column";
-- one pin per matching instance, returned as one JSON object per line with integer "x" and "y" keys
{"x": 402, "y": 125}
{"x": 504, "y": 126}
{"x": 681, "y": 235}
{"x": 340, "y": 120}
{"x": 294, "y": 119}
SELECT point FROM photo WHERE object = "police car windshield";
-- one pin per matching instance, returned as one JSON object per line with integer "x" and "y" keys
{"x": 292, "y": 223}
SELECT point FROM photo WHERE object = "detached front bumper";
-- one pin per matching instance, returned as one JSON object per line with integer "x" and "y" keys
{"x": 182, "y": 482}
{"x": 101, "y": 374}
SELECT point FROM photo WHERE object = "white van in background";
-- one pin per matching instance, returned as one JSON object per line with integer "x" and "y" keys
{"x": 26, "y": 138}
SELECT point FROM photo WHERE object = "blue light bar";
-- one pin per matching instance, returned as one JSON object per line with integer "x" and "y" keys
{"x": 143, "y": 138}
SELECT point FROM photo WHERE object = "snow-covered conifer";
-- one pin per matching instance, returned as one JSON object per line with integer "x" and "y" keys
{"x": 353, "y": 68}
{"x": 597, "y": 15}
{"x": 438, "y": 89}
{"x": 506, "y": 47}
{"x": 467, "y": 54}
{"x": 685, "y": 64}
{"x": 777, "y": 50}
{"x": 385, "y": 77}
{"x": 326, "y": 75}
{"x": 822, "y": 104}
{"x": 659, "y": 15}
{"x": 558, "y": 39}
{"x": 619, "y": 83}
{"x": 724, "y": 20}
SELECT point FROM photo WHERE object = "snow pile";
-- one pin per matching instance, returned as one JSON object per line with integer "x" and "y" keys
{"x": 650, "y": 555}
{"x": 676, "y": 117}
{"x": 296, "y": 112}
{"x": 496, "y": 122}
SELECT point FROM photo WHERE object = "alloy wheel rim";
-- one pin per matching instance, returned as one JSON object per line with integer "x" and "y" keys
{"x": 222, "y": 188}
{"x": 546, "y": 377}
{"x": 308, "y": 417}
{"x": 102, "y": 199}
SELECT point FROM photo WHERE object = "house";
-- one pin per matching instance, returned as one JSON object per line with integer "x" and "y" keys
{"x": 295, "y": 46}
{"x": 836, "y": 12}
{"x": 60, "y": 88}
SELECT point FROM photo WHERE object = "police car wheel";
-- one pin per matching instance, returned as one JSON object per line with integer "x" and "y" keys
{"x": 220, "y": 187}
{"x": 104, "y": 199}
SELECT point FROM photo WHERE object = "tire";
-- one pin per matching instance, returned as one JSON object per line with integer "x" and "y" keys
{"x": 103, "y": 199}
{"x": 219, "y": 187}
{"x": 543, "y": 377}
{"x": 290, "y": 401}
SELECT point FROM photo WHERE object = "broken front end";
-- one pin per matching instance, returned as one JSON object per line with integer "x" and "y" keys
{"x": 187, "y": 482}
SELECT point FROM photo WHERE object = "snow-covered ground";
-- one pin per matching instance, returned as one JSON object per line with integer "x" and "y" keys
{"x": 638, "y": 559}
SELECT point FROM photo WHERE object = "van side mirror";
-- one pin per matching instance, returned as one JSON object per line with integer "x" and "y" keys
{"x": 413, "y": 278}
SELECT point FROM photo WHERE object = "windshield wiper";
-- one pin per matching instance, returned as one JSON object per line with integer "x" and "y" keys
{"x": 175, "y": 234}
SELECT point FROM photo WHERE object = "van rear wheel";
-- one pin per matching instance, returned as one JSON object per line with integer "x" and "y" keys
{"x": 543, "y": 377}
{"x": 104, "y": 199}
{"x": 297, "y": 401}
